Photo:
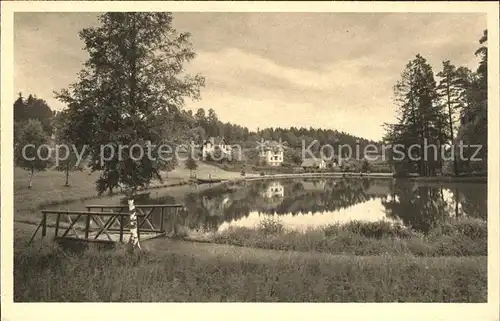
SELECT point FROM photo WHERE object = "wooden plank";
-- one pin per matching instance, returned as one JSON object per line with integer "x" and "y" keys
{"x": 122, "y": 219}
{"x": 137, "y": 206}
{"x": 57, "y": 224}
{"x": 102, "y": 226}
{"x": 105, "y": 227}
{"x": 49, "y": 212}
{"x": 71, "y": 225}
{"x": 142, "y": 230}
{"x": 44, "y": 225}
{"x": 87, "y": 225}
{"x": 36, "y": 231}
{"x": 146, "y": 218}
{"x": 115, "y": 222}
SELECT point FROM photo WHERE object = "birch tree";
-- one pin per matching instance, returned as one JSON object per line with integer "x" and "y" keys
{"x": 123, "y": 100}
{"x": 31, "y": 151}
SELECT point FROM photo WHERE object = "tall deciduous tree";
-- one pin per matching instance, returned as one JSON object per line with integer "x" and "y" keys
{"x": 69, "y": 155}
{"x": 124, "y": 99}
{"x": 31, "y": 152}
{"x": 200, "y": 117}
{"x": 191, "y": 164}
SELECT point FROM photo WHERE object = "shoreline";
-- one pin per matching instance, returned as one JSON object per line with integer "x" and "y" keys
{"x": 438, "y": 179}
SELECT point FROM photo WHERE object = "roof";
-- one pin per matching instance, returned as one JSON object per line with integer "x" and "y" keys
{"x": 272, "y": 145}
{"x": 310, "y": 162}
{"x": 215, "y": 140}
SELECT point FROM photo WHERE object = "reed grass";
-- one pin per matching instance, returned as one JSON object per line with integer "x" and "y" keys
{"x": 465, "y": 237}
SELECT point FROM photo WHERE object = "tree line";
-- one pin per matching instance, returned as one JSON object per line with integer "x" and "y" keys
{"x": 132, "y": 90}
{"x": 445, "y": 110}
{"x": 37, "y": 124}
{"x": 204, "y": 124}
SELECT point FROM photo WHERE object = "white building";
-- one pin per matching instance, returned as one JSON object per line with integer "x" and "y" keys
{"x": 213, "y": 145}
{"x": 272, "y": 152}
{"x": 275, "y": 189}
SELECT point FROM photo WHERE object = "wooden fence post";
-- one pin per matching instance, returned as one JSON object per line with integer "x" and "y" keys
{"x": 122, "y": 218}
{"x": 57, "y": 224}
{"x": 44, "y": 225}
{"x": 87, "y": 224}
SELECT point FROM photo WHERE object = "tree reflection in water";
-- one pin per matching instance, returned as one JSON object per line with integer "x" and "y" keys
{"x": 417, "y": 205}
{"x": 425, "y": 206}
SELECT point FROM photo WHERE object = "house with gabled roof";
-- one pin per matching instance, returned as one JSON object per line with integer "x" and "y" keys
{"x": 272, "y": 152}
{"x": 313, "y": 163}
{"x": 213, "y": 144}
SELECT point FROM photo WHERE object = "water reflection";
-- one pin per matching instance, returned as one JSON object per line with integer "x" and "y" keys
{"x": 312, "y": 202}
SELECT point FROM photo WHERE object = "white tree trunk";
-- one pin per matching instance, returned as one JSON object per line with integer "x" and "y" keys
{"x": 31, "y": 179}
{"x": 134, "y": 237}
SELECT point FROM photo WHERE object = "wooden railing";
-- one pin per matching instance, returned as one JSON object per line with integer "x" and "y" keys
{"x": 106, "y": 223}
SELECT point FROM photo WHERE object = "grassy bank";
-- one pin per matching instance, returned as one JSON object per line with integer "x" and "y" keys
{"x": 466, "y": 237}
{"x": 49, "y": 190}
{"x": 52, "y": 275}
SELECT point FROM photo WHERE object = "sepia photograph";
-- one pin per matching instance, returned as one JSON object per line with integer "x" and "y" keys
{"x": 246, "y": 156}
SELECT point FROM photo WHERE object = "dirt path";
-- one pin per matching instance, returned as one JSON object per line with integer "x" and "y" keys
{"x": 204, "y": 250}
{"x": 236, "y": 253}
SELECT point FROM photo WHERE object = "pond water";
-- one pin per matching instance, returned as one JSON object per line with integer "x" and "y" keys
{"x": 308, "y": 203}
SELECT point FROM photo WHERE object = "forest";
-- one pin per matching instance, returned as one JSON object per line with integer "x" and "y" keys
{"x": 446, "y": 110}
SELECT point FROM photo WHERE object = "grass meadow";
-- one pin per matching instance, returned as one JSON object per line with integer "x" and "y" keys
{"x": 49, "y": 190}
{"x": 358, "y": 262}
{"x": 53, "y": 275}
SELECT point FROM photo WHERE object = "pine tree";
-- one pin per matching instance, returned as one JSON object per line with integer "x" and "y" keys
{"x": 474, "y": 115}
{"x": 450, "y": 92}
{"x": 419, "y": 116}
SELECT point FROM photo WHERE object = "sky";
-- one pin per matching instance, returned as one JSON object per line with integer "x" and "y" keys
{"x": 328, "y": 70}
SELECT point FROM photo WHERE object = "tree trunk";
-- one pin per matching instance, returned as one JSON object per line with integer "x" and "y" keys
{"x": 450, "y": 119}
{"x": 134, "y": 237}
{"x": 31, "y": 178}
{"x": 67, "y": 176}
{"x": 457, "y": 198}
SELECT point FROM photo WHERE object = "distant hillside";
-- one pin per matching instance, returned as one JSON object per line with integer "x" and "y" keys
{"x": 203, "y": 125}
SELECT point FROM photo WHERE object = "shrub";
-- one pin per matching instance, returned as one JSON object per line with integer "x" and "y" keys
{"x": 271, "y": 225}
{"x": 471, "y": 228}
{"x": 370, "y": 229}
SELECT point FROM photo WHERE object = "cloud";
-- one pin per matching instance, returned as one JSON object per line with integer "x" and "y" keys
{"x": 333, "y": 70}
{"x": 248, "y": 89}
